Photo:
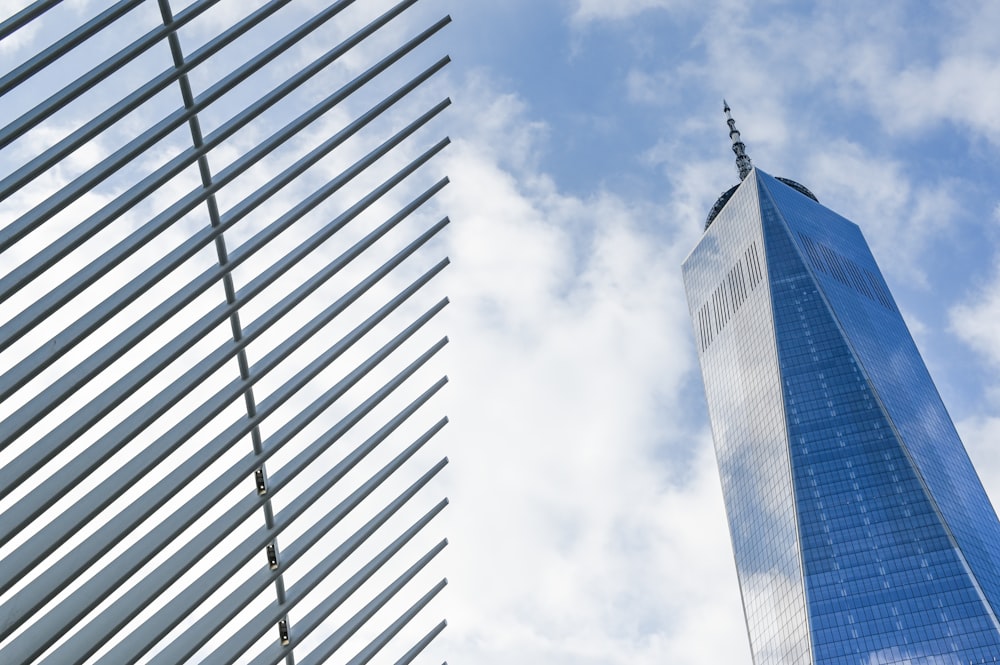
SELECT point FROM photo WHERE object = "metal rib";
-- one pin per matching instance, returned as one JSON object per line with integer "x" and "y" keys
{"x": 43, "y": 588}
{"x": 222, "y": 253}
{"x": 379, "y": 642}
{"x": 55, "y": 394}
{"x": 66, "y": 44}
{"x": 173, "y": 612}
{"x": 200, "y": 633}
{"x": 54, "y": 487}
{"x": 75, "y": 237}
{"x": 65, "y": 146}
{"x": 26, "y": 16}
{"x": 100, "y": 628}
{"x": 86, "y": 181}
{"x": 308, "y": 624}
{"x": 351, "y": 626}
{"x": 66, "y": 478}
{"x": 61, "y": 610}
{"x": 422, "y": 644}
{"x": 32, "y": 315}
{"x": 77, "y": 331}
{"x": 45, "y": 109}
{"x": 230, "y": 651}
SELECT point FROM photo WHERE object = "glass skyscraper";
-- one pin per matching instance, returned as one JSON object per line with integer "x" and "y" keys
{"x": 861, "y": 532}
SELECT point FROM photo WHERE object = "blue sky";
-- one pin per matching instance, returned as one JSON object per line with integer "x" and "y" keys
{"x": 621, "y": 149}
{"x": 586, "y": 522}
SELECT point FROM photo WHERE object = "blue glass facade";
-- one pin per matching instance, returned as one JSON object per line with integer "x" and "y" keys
{"x": 894, "y": 545}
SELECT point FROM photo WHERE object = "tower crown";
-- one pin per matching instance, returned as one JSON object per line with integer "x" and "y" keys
{"x": 744, "y": 166}
{"x": 743, "y": 163}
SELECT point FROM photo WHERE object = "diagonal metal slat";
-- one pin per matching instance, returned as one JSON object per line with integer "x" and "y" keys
{"x": 56, "y": 393}
{"x": 102, "y": 218}
{"x": 60, "y": 295}
{"x": 93, "y": 127}
{"x": 47, "y": 108}
{"x": 18, "y": 562}
{"x": 26, "y": 16}
{"x": 415, "y": 650}
{"x": 38, "y": 62}
{"x": 199, "y": 634}
{"x": 376, "y": 645}
{"x": 228, "y": 652}
{"x": 112, "y": 595}
{"x": 147, "y": 589}
{"x": 352, "y": 625}
{"x": 48, "y": 447}
{"x": 25, "y": 464}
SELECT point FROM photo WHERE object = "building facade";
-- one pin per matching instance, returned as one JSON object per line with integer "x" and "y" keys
{"x": 860, "y": 529}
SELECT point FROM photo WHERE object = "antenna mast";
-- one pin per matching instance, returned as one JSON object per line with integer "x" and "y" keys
{"x": 743, "y": 164}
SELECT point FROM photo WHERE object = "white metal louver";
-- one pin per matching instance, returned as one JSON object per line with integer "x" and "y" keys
{"x": 217, "y": 330}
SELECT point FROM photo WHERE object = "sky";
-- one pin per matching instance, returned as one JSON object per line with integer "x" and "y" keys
{"x": 610, "y": 150}
{"x": 586, "y": 522}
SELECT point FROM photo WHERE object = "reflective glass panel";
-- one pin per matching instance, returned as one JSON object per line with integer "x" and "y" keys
{"x": 884, "y": 580}
{"x": 726, "y": 282}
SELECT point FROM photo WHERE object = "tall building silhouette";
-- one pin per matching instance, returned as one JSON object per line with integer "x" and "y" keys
{"x": 860, "y": 529}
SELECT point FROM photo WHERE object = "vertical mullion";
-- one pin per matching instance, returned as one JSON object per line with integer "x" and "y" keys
{"x": 260, "y": 475}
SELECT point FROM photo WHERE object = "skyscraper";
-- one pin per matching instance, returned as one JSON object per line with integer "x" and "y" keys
{"x": 860, "y": 529}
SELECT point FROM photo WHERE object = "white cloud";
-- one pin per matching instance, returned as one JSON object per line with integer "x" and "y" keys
{"x": 650, "y": 87}
{"x": 586, "y": 519}
{"x": 980, "y": 435}
{"x": 943, "y": 76}
{"x": 886, "y": 59}
{"x": 781, "y": 67}
{"x": 976, "y": 321}
{"x": 876, "y": 193}
{"x": 20, "y": 40}
{"x": 573, "y": 542}
{"x": 595, "y": 10}
{"x": 953, "y": 90}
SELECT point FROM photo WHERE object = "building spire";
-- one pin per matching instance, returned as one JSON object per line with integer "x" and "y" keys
{"x": 743, "y": 164}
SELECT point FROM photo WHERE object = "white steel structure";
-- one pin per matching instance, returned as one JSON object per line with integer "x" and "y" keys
{"x": 216, "y": 328}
